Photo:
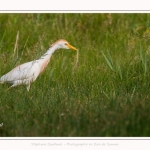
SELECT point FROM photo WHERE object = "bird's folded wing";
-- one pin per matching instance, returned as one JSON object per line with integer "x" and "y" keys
{"x": 21, "y": 72}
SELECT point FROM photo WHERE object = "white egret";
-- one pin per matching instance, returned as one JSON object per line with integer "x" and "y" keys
{"x": 28, "y": 72}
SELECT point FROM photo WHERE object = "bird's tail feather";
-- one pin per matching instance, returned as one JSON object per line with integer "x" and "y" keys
{"x": 1, "y": 81}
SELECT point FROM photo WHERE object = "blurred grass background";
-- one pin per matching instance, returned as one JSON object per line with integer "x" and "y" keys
{"x": 107, "y": 95}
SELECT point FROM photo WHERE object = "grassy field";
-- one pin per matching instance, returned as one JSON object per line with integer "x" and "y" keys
{"x": 106, "y": 95}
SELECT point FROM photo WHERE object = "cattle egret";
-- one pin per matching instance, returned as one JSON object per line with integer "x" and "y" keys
{"x": 28, "y": 72}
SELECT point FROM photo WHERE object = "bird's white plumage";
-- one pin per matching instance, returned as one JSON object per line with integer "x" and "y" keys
{"x": 28, "y": 72}
{"x": 22, "y": 74}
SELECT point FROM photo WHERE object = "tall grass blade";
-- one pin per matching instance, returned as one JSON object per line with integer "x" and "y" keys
{"x": 51, "y": 74}
{"x": 132, "y": 94}
{"x": 119, "y": 70}
{"x": 2, "y": 38}
{"x": 109, "y": 61}
{"x": 143, "y": 60}
{"x": 16, "y": 44}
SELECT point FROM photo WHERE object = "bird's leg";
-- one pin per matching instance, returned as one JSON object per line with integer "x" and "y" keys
{"x": 11, "y": 87}
{"x": 28, "y": 87}
{"x": 8, "y": 88}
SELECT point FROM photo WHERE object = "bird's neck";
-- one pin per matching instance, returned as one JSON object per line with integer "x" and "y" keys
{"x": 49, "y": 52}
{"x": 44, "y": 59}
{"x": 52, "y": 49}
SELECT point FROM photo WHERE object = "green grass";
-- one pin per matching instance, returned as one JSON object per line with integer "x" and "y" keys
{"x": 106, "y": 95}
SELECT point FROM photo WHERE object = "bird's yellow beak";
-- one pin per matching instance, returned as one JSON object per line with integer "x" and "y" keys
{"x": 71, "y": 47}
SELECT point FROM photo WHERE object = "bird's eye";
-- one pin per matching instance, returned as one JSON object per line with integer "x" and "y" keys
{"x": 66, "y": 43}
